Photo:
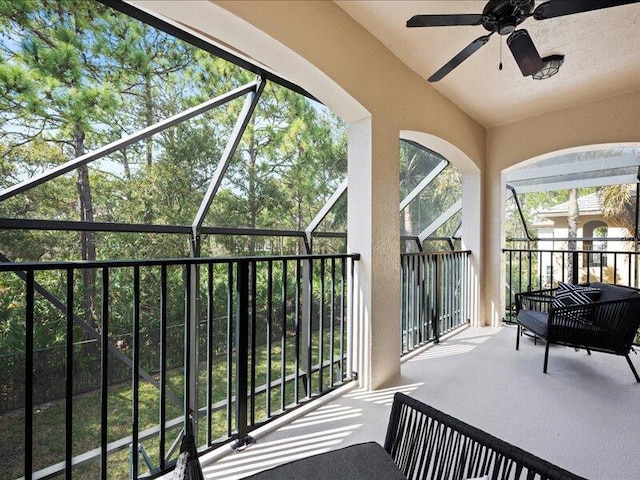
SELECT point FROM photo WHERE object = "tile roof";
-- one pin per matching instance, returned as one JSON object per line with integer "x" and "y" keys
{"x": 586, "y": 204}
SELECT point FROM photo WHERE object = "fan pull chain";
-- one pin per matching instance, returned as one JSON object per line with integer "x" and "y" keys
{"x": 500, "y": 66}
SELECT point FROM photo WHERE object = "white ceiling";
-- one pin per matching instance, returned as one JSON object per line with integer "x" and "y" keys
{"x": 601, "y": 49}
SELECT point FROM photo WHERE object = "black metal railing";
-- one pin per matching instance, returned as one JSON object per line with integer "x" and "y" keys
{"x": 531, "y": 269}
{"x": 257, "y": 337}
{"x": 435, "y": 296}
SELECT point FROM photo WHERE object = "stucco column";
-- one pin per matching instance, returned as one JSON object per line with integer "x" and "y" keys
{"x": 493, "y": 278}
{"x": 373, "y": 220}
{"x": 472, "y": 233}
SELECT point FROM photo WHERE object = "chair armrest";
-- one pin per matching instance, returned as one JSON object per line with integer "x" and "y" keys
{"x": 535, "y": 300}
{"x": 427, "y": 443}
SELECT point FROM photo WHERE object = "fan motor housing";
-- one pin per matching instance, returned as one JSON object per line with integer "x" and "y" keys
{"x": 503, "y": 16}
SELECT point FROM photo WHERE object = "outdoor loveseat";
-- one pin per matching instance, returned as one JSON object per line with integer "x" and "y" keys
{"x": 598, "y": 316}
{"x": 421, "y": 443}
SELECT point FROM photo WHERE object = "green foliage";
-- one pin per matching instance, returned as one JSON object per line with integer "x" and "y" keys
{"x": 618, "y": 208}
{"x": 415, "y": 164}
{"x": 76, "y": 75}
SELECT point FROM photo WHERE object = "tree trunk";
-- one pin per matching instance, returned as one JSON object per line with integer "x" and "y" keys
{"x": 148, "y": 112}
{"x": 408, "y": 221}
{"x": 572, "y": 220}
{"x": 125, "y": 164}
{"x": 87, "y": 239}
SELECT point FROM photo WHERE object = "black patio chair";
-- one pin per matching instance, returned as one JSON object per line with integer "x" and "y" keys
{"x": 608, "y": 325}
{"x": 428, "y": 444}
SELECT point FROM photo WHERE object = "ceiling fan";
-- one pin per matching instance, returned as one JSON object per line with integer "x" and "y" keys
{"x": 502, "y": 17}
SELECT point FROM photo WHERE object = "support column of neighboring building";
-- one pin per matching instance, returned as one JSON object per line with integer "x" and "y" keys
{"x": 373, "y": 226}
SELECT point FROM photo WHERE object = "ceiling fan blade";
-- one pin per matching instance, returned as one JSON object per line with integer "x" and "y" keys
{"x": 444, "y": 20}
{"x": 525, "y": 52}
{"x": 459, "y": 58}
{"x": 559, "y": 8}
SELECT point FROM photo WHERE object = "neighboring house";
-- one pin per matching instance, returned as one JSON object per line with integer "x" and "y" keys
{"x": 602, "y": 248}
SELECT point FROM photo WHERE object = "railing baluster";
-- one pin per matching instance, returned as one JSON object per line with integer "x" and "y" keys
{"x": 104, "y": 376}
{"x": 331, "y": 321}
{"x": 298, "y": 313}
{"x": 438, "y": 282}
{"x": 210, "y": 346}
{"x": 135, "y": 379}
{"x": 309, "y": 283}
{"x": 269, "y": 333}
{"x": 350, "y": 359}
{"x": 283, "y": 341}
{"x": 403, "y": 303}
{"x": 163, "y": 365}
{"x": 321, "y": 328}
{"x": 511, "y": 281}
{"x": 342, "y": 315}
{"x": 253, "y": 319}
{"x": 408, "y": 310}
{"x": 242, "y": 346}
{"x": 230, "y": 347}
{"x": 69, "y": 379}
{"x": 28, "y": 365}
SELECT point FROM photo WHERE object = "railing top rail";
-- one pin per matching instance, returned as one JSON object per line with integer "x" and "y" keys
{"x": 554, "y": 250}
{"x": 76, "y": 226}
{"x": 566, "y": 239}
{"x": 80, "y": 264}
{"x": 438, "y": 253}
{"x": 429, "y": 239}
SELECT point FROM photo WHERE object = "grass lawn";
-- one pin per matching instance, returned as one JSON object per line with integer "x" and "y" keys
{"x": 49, "y": 420}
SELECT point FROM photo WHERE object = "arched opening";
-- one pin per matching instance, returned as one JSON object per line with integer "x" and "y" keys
{"x": 438, "y": 291}
{"x": 569, "y": 217}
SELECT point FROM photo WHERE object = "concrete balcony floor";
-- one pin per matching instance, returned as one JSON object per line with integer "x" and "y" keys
{"x": 584, "y": 415}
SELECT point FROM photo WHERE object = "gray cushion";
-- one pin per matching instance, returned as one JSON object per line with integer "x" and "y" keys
{"x": 613, "y": 292}
{"x": 534, "y": 321}
{"x": 364, "y": 460}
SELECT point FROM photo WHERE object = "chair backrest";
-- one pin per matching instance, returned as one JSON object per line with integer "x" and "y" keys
{"x": 611, "y": 292}
{"x": 427, "y": 444}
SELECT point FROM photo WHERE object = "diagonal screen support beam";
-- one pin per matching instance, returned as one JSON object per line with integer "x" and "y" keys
{"x": 455, "y": 233}
{"x": 127, "y": 140}
{"x": 438, "y": 222}
{"x": 423, "y": 184}
{"x": 232, "y": 144}
{"x": 520, "y": 213}
{"x": 192, "y": 323}
{"x": 323, "y": 213}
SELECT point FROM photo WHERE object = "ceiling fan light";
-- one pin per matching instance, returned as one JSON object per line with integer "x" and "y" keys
{"x": 550, "y": 66}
